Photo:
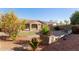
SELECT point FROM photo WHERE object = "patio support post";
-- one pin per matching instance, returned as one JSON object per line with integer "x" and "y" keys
{"x": 30, "y": 26}
{"x": 38, "y": 26}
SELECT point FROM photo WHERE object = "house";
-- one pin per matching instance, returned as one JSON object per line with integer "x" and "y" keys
{"x": 34, "y": 25}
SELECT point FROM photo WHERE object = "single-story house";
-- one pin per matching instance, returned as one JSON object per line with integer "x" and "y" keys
{"x": 34, "y": 25}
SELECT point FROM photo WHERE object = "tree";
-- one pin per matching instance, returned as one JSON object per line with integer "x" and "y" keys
{"x": 75, "y": 18}
{"x": 66, "y": 22}
{"x": 10, "y": 24}
{"x": 60, "y": 23}
{"x": 0, "y": 25}
{"x": 75, "y": 22}
{"x": 23, "y": 26}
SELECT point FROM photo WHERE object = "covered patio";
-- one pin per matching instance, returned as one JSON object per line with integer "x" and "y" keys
{"x": 33, "y": 25}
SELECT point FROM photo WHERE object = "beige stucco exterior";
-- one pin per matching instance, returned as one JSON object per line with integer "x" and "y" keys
{"x": 34, "y": 25}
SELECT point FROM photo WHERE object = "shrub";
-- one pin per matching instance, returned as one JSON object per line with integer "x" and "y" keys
{"x": 75, "y": 29}
{"x": 23, "y": 26}
{"x": 33, "y": 43}
{"x": 13, "y": 35}
{"x": 45, "y": 30}
{"x": 56, "y": 28}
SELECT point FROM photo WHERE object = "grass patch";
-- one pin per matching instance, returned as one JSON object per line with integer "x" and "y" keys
{"x": 26, "y": 33}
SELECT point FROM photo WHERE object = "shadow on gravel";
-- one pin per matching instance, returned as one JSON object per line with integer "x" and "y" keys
{"x": 20, "y": 42}
{"x": 19, "y": 49}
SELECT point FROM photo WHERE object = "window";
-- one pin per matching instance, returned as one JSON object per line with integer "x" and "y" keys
{"x": 34, "y": 26}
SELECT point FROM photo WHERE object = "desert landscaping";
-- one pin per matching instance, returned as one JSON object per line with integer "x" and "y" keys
{"x": 36, "y": 35}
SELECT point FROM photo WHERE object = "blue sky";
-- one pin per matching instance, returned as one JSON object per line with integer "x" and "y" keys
{"x": 44, "y": 14}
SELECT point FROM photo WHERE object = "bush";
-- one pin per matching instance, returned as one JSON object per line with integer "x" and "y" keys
{"x": 45, "y": 30}
{"x": 64, "y": 27}
{"x": 13, "y": 35}
{"x": 23, "y": 26}
{"x": 75, "y": 29}
{"x": 33, "y": 43}
{"x": 56, "y": 28}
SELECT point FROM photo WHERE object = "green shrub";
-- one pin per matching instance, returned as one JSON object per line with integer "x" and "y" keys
{"x": 13, "y": 35}
{"x": 23, "y": 26}
{"x": 33, "y": 43}
{"x": 45, "y": 30}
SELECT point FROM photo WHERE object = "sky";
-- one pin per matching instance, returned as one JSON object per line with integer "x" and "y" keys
{"x": 43, "y": 14}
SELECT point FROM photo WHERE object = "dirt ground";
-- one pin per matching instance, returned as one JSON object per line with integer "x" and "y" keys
{"x": 10, "y": 45}
{"x": 70, "y": 44}
{"x": 7, "y": 45}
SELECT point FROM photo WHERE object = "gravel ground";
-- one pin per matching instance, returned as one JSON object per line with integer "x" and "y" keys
{"x": 70, "y": 44}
